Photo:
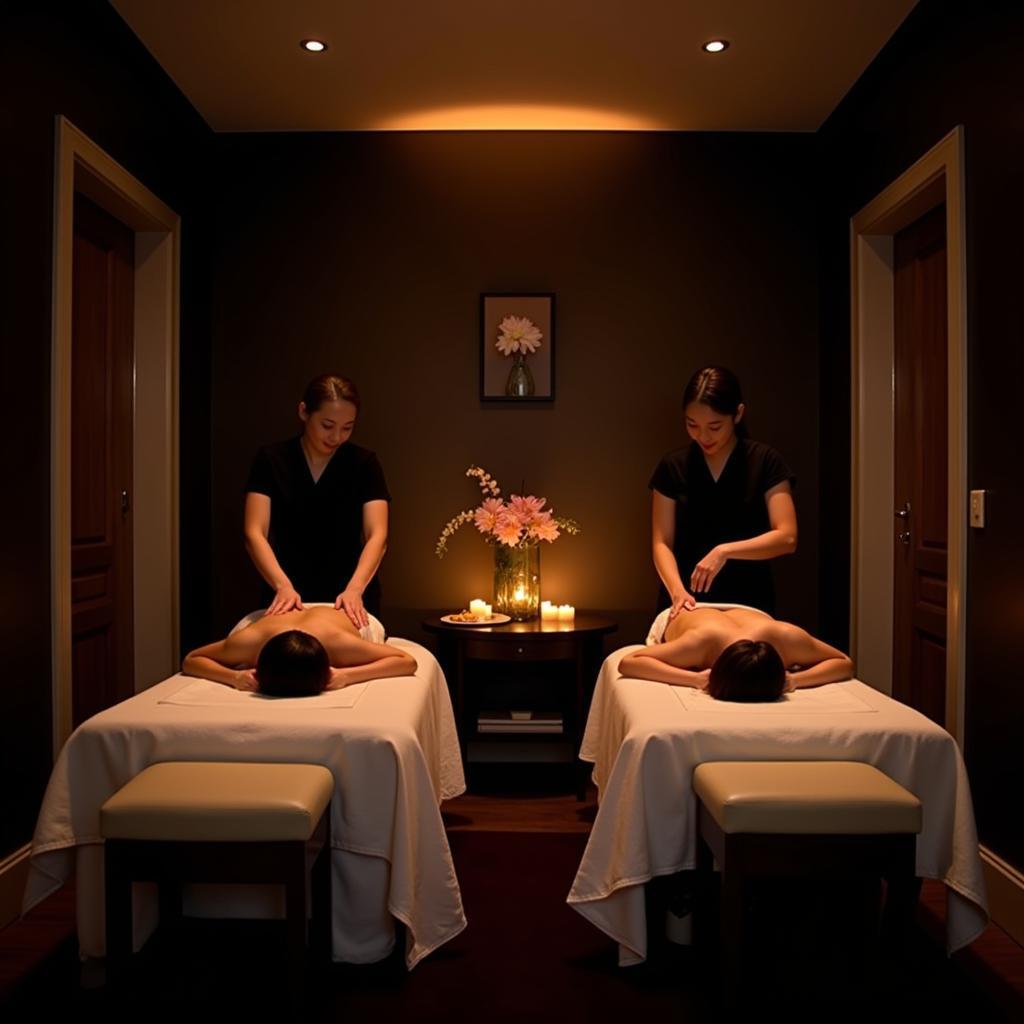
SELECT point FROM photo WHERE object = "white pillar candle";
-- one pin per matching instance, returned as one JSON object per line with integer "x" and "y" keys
{"x": 566, "y": 613}
{"x": 548, "y": 611}
{"x": 488, "y": 613}
{"x": 478, "y": 608}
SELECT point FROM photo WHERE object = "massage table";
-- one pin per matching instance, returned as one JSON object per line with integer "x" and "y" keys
{"x": 645, "y": 738}
{"x": 391, "y": 745}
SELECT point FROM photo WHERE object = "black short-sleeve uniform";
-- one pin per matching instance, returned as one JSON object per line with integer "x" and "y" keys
{"x": 710, "y": 512}
{"x": 316, "y": 529}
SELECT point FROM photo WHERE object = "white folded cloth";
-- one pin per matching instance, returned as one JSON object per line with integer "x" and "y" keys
{"x": 201, "y": 693}
{"x": 836, "y": 698}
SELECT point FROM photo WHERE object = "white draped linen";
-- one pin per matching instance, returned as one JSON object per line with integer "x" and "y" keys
{"x": 394, "y": 754}
{"x": 645, "y": 739}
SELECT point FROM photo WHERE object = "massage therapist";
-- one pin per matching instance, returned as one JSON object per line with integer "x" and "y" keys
{"x": 722, "y": 506}
{"x": 316, "y": 509}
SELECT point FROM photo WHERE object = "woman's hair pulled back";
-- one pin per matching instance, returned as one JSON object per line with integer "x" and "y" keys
{"x": 329, "y": 387}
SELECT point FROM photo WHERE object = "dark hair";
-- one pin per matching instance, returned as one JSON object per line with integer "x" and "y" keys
{"x": 747, "y": 671}
{"x": 718, "y": 389}
{"x": 329, "y": 387}
{"x": 292, "y": 664}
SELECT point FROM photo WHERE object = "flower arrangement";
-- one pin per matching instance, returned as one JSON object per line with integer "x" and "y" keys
{"x": 518, "y": 334}
{"x": 520, "y": 522}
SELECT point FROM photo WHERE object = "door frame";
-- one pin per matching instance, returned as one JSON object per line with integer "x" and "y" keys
{"x": 82, "y": 166}
{"x": 938, "y": 177}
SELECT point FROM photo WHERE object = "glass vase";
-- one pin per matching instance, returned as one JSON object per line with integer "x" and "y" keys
{"x": 517, "y": 581}
{"x": 520, "y": 379}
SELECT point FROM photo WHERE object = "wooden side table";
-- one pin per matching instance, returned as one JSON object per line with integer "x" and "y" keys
{"x": 573, "y": 651}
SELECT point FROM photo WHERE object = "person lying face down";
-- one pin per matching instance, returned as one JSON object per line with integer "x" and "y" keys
{"x": 738, "y": 654}
{"x": 297, "y": 654}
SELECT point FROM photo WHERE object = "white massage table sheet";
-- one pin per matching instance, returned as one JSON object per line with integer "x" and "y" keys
{"x": 394, "y": 755}
{"x": 645, "y": 739}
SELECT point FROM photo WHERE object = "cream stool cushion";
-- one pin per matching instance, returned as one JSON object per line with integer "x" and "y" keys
{"x": 219, "y": 802}
{"x": 805, "y": 797}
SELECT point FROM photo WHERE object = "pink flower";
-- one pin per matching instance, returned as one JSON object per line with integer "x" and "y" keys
{"x": 527, "y": 509}
{"x": 487, "y": 515}
{"x": 544, "y": 527}
{"x": 509, "y": 529}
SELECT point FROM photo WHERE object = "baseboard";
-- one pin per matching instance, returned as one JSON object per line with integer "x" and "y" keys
{"x": 13, "y": 876}
{"x": 1005, "y": 886}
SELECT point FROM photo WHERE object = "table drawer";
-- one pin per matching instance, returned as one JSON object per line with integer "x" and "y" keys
{"x": 526, "y": 648}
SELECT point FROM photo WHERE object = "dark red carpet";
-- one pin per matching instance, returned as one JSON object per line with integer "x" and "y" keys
{"x": 525, "y": 956}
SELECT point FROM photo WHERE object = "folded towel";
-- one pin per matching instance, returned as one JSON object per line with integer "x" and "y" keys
{"x": 202, "y": 693}
{"x": 833, "y": 698}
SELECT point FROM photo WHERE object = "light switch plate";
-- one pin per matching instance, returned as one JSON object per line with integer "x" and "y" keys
{"x": 977, "y": 509}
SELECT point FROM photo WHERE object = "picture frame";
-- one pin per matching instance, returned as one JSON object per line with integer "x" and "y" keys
{"x": 501, "y": 379}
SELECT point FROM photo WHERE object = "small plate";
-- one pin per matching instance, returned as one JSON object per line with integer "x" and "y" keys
{"x": 496, "y": 619}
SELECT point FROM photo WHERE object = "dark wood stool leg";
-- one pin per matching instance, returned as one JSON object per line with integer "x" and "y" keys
{"x": 704, "y": 896}
{"x": 170, "y": 903}
{"x": 323, "y": 911}
{"x": 295, "y": 919}
{"x": 901, "y": 896}
{"x": 118, "y": 905}
{"x": 731, "y": 949}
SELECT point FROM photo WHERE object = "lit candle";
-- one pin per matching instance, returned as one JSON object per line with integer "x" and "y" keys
{"x": 548, "y": 612}
{"x": 566, "y": 613}
{"x": 479, "y": 609}
{"x": 487, "y": 611}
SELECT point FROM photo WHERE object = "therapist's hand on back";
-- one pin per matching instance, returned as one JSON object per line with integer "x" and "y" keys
{"x": 681, "y": 602}
{"x": 350, "y": 601}
{"x": 285, "y": 600}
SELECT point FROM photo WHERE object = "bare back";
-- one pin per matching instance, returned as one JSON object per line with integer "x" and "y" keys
{"x": 331, "y": 627}
{"x": 694, "y": 639}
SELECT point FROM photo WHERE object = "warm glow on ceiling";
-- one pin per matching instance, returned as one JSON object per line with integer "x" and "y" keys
{"x": 517, "y": 117}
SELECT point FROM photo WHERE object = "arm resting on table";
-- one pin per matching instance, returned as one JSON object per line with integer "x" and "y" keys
{"x": 832, "y": 670}
{"x": 643, "y": 666}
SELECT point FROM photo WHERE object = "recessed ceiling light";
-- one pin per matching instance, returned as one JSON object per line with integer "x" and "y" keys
{"x": 313, "y": 45}
{"x": 716, "y": 45}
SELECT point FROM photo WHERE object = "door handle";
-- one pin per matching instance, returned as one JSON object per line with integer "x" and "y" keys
{"x": 125, "y": 503}
{"x": 903, "y": 536}
{"x": 903, "y": 513}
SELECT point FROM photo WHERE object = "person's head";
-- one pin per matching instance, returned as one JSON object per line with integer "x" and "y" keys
{"x": 713, "y": 407}
{"x": 747, "y": 671}
{"x": 292, "y": 664}
{"x": 328, "y": 412}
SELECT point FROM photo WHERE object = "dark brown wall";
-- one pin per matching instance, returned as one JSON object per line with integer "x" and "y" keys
{"x": 81, "y": 61}
{"x": 949, "y": 64}
{"x": 369, "y": 252}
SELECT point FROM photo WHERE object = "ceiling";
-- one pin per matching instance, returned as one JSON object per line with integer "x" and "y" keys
{"x": 514, "y": 64}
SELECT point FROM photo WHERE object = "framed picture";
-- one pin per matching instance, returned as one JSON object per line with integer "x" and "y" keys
{"x": 517, "y": 347}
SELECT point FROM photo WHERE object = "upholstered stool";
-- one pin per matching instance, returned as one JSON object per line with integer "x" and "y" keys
{"x": 220, "y": 822}
{"x": 800, "y": 819}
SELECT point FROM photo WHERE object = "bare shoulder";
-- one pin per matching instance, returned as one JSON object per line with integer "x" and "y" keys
{"x": 699, "y": 620}
{"x": 242, "y": 648}
{"x": 796, "y": 645}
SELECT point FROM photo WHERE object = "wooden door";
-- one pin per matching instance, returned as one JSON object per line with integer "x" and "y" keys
{"x": 101, "y": 461}
{"x": 921, "y": 445}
